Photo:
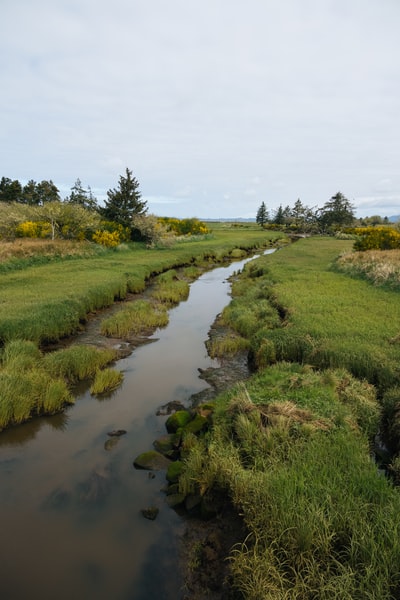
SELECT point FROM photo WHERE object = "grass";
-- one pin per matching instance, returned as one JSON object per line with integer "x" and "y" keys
{"x": 291, "y": 450}
{"x": 293, "y": 306}
{"x": 381, "y": 267}
{"x": 134, "y": 319}
{"x": 44, "y": 302}
{"x": 106, "y": 380}
{"x": 33, "y": 384}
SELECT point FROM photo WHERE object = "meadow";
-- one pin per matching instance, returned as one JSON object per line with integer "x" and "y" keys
{"x": 293, "y": 447}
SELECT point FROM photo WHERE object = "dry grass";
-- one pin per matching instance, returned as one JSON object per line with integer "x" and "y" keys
{"x": 28, "y": 247}
{"x": 379, "y": 266}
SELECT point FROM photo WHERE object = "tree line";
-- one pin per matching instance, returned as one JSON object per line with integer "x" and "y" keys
{"x": 336, "y": 213}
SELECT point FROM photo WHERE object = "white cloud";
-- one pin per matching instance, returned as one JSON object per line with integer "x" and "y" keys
{"x": 272, "y": 100}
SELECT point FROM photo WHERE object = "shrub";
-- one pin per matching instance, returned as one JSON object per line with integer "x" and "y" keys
{"x": 377, "y": 238}
{"x": 107, "y": 238}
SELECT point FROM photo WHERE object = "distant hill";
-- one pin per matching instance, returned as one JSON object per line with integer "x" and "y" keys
{"x": 394, "y": 218}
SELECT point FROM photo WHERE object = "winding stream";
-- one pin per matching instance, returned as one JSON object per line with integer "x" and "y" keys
{"x": 70, "y": 498}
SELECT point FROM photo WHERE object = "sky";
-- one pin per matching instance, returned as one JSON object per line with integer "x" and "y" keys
{"x": 214, "y": 105}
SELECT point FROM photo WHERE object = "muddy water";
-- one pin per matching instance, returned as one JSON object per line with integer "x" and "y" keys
{"x": 71, "y": 500}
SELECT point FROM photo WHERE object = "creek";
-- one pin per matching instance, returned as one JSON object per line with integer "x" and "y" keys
{"x": 70, "y": 498}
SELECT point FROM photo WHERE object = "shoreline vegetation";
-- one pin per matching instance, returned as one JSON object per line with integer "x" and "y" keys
{"x": 51, "y": 288}
{"x": 293, "y": 449}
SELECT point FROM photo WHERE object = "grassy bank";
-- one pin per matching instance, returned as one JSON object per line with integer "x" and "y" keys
{"x": 44, "y": 302}
{"x": 48, "y": 289}
{"x": 292, "y": 448}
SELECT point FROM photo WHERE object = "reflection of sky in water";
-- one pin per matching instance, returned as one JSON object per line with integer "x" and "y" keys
{"x": 71, "y": 501}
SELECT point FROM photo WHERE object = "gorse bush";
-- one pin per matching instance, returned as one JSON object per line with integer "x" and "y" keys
{"x": 376, "y": 238}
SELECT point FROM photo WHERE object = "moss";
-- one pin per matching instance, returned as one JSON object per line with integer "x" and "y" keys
{"x": 196, "y": 425}
{"x": 177, "y": 420}
{"x": 174, "y": 470}
{"x": 151, "y": 460}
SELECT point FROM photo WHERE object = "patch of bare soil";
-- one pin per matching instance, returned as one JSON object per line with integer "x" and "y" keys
{"x": 205, "y": 551}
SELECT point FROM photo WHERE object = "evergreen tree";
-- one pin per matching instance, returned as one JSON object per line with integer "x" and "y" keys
{"x": 336, "y": 213}
{"x": 279, "y": 217}
{"x": 124, "y": 202}
{"x": 10, "y": 191}
{"x": 262, "y": 215}
{"x": 81, "y": 196}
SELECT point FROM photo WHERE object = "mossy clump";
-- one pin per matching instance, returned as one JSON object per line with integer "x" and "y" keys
{"x": 174, "y": 471}
{"x": 178, "y": 420}
{"x": 152, "y": 461}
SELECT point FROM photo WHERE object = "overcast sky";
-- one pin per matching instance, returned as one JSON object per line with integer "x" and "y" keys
{"x": 215, "y": 105}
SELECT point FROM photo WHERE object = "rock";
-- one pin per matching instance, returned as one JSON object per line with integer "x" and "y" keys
{"x": 150, "y": 513}
{"x": 175, "y": 500}
{"x": 168, "y": 445}
{"x": 109, "y": 444}
{"x": 116, "y": 432}
{"x": 174, "y": 471}
{"x": 151, "y": 460}
{"x": 170, "y": 407}
{"x": 178, "y": 420}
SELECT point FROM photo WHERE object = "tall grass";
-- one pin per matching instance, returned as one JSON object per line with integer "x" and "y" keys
{"x": 135, "y": 318}
{"x": 33, "y": 384}
{"x": 292, "y": 452}
{"x": 106, "y": 380}
{"x": 27, "y": 389}
{"x": 381, "y": 267}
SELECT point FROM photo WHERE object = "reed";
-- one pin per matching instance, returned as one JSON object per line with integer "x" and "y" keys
{"x": 229, "y": 345}
{"x": 169, "y": 289}
{"x": 106, "y": 380}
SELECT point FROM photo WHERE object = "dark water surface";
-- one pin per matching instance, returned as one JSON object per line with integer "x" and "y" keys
{"x": 70, "y": 499}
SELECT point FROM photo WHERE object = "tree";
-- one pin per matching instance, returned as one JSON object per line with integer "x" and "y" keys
{"x": 30, "y": 193}
{"x": 262, "y": 215}
{"x": 336, "y": 213}
{"x": 81, "y": 196}
{"x": 124, "y": 202}
{"x": 10, "y": 191}
{"x": 47, "y": 191}
{"x": 279, "y": 217}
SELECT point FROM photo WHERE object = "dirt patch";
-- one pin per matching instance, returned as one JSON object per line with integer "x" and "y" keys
{"x": 205, "y": 551}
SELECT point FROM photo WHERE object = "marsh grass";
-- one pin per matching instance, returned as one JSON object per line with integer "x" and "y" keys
{"x": 300, "y": 309}
{"x": 169, "y": 289}
{"x": 45, "y": 299}
{"x": 228, "y": 345}
{"x": 106, "y": 380}
{"x": 135, "y": 318}
{"x": 381, "y": 267}
{"x": 78, "y": 362}
{"x": 27, "y": 389}
{"x": 321, "y": 521}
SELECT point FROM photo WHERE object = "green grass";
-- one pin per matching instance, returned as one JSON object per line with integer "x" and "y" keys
{"x": 293, "y": 306}
{"x": 134, "y": 319}
{"x": 106, "y": 380}
{"x": 291, "y": 450}
{"x": 48, "y": 301}
{"x": 33, "y": 384}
